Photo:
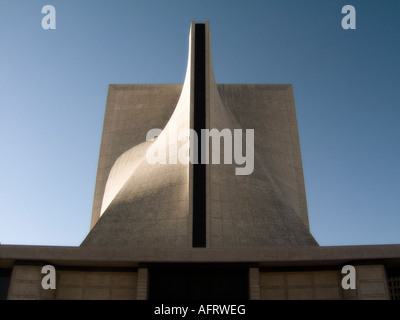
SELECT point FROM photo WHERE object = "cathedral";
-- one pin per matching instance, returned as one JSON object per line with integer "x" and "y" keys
{"x": 200, "y": 194}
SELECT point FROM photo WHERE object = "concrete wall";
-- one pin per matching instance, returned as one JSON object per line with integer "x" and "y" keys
{"x": 26, "y": 281}
{"x": 371, "y": 283}
{"x": 308, "y": 285}
{"x": 131, "y": 111}
{"x": 25, "y": 284}
{"x": 83, "y": 285}
{"x": 151, "y": 205}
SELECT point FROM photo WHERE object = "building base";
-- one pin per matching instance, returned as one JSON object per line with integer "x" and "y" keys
{"x": 283, "y": 273}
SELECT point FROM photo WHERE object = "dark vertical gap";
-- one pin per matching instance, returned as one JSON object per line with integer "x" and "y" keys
{"x": 199, "y": 116}
{"x": 5, "y": 275}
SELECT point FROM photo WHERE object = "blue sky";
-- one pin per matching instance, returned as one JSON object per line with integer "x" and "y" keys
{"x": 53, "y": 89}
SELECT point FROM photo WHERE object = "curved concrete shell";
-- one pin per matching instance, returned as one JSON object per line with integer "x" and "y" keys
{"x": 201, "y": 205}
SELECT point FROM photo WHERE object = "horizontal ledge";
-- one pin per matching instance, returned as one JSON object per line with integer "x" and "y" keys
{"x": 262, "y": 256}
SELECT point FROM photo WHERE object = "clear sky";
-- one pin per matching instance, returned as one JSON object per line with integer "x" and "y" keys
{"x": 53, "y": 89}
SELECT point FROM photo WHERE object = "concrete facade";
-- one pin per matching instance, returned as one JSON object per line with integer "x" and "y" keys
{"x": 371, "y": 284}
{"x": 151, "y": 205}
{"x": 279, "y": 273}
{"x": 73, "y": 284}
{"x": 255, "y": 241}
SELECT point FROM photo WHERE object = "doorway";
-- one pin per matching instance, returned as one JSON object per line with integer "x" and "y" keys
{"x": 198, "y": 282}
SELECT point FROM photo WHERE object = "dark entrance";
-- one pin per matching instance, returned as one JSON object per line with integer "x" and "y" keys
{"x": 195, "y": 282}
